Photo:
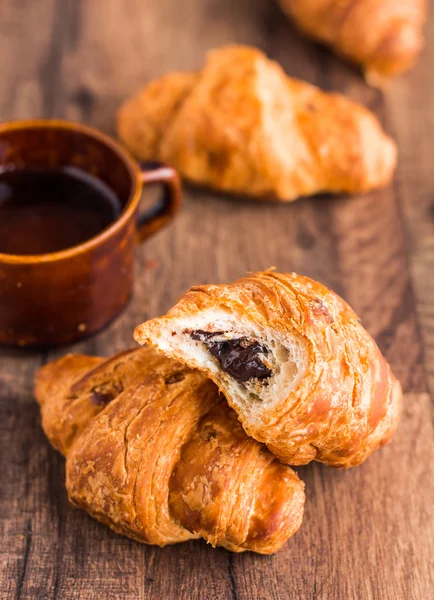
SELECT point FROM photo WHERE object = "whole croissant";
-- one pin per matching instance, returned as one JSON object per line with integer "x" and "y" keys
{"x": 293, "y": 361}
{"x": 154, "y": 452}
{"x": 383, "y": 36}
{"x": 242, "y": 126}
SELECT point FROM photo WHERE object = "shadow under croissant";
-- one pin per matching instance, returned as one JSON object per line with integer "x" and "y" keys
{"x": 199, "y": 193}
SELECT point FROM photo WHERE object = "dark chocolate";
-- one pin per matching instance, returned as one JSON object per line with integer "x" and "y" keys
{"x": 204, "y": 336}
{"x": 239, "y": 358}
{"x": 174, "y": 378}
{"x": 104, "y": 393}
{"x": 102, "y": 398}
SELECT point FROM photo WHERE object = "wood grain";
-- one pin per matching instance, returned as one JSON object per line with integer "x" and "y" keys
{"x": 411, "y": 112}
{"x": 367, "y": 533}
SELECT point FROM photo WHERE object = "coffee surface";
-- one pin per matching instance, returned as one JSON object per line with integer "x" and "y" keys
{"x": 47, "y": 210}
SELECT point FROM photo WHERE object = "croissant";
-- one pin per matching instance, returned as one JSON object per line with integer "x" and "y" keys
{"x": 242, "y": 126}
{"x": 383, "y": 36}
{"x": 292, "y": 359}
{"x": 154, "y": 452}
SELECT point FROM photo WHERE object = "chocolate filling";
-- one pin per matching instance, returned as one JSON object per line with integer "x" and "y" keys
{"x": 238, "y": 358}
{"x": 102, "y": 398}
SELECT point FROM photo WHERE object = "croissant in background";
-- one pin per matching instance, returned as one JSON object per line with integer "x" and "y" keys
{"x": 293, "y": 361}
{"x": 383, "y": 36}
{"x": 240, "y": 125}
{"x": 154, "y": 452}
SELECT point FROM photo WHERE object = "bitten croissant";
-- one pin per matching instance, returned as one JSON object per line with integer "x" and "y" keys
{"x": 383, "y": 36}
{"x": 240, "y": 125}
{"x": 293, "y": 361}
{"x": 154, "y": 452}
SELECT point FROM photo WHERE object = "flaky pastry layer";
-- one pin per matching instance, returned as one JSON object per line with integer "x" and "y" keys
{"x": 293, "y": 360}
{"x": 240, "y": 125}
{"x": 154, "y": 452}
{"x": 384, "y": 36}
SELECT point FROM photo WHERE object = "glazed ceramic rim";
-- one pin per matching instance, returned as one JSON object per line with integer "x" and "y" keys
{"x": 129, "y": 209}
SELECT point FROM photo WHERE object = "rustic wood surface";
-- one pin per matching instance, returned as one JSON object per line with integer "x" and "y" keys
{"x": 367, "y": 533}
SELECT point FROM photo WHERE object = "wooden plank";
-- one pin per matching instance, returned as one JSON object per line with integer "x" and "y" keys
{"x": 25, "y": 49}
{"x": 410, "y": 109}
{"x": 365, "y": 531}
{"x": 26, "y": 459}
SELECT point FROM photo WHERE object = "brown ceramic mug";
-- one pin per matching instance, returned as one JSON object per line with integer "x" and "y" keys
{"x": 63, "y": 296}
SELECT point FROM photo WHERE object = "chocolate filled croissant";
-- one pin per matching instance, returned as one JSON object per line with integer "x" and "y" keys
{"x": 154, "y": 452}
{"x": 240, "y": 125}
{"x": 293, "y": 361}
{"x": 383, "y": 36}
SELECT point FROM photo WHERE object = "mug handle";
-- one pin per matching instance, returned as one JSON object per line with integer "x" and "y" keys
{"x": 158, "y": 215}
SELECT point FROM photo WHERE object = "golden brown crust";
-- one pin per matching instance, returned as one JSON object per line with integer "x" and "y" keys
{"x": 163, "y": 98}
{"x": 154, "y": 452}
{"x": 242, "y": 126}
{"x": 75, "y": 388}
{"x": 248, "y": 488}
{"x": 64, "y": 415}
{"x": 384, "y": 36}
{"x": 346, "y": 403}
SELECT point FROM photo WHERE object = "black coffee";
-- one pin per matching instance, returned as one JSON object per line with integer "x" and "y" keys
{"x": 46, "y": 210}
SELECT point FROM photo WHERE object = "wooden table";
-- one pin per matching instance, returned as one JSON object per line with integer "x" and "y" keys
{"x": 367, "y": 532}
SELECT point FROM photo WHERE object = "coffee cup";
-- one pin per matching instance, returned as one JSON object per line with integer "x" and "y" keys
{"x": 52, "y": 292}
